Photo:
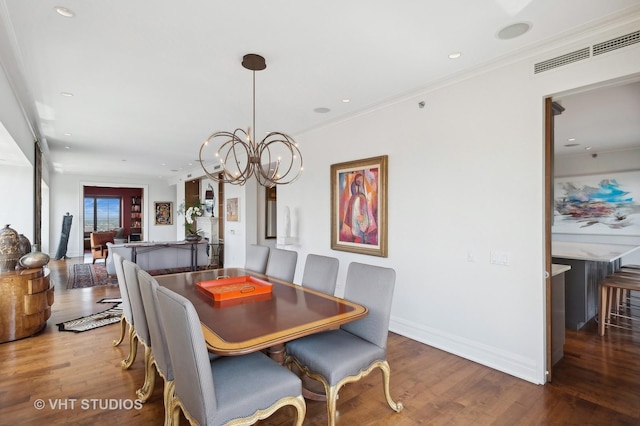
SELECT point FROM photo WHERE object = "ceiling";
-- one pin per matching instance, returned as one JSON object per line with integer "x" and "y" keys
{"x": 599, "y": 120}
{"x": 152, "y": 79}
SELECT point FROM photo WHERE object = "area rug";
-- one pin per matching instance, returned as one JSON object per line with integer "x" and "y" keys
{"x": 83, "y": 275}
{"x": 100, "y": 319}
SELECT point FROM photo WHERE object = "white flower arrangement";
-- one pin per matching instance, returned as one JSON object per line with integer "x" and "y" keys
{"x": 190, "y": 215}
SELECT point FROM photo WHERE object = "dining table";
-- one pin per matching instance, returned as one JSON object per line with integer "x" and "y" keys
{"x": 263, "y": 321}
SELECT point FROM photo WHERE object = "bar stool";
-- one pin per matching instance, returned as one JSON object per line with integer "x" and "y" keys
{"x": 614, "y": 290}
{"x": 624, "y": 297}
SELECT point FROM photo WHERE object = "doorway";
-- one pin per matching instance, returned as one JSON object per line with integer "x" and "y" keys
{"x": 591, "y": 129}
{"x": 192, "y": 192}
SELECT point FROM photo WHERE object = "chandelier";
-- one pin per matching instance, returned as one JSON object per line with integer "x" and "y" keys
{"x": 275, "y": 160}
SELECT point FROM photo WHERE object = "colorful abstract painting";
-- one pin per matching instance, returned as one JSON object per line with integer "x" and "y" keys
{"x": 599, "y": 204}
{"x": 359, "y": 206}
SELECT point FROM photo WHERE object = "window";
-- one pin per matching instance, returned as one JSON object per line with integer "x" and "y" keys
{"x": 102, "y": 213}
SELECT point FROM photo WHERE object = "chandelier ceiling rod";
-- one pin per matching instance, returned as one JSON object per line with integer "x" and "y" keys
{"x": 241, "y": 157}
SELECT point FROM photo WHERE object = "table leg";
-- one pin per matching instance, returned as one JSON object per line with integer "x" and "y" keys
{"x": 276, "y": 353}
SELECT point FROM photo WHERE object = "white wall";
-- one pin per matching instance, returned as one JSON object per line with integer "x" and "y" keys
{"x": 16, "y": 193}
{"x": 466, "y": 175}
{"x": 16, "y": 164}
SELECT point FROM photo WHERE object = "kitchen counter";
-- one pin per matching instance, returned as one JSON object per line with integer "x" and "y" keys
{"x": 590, "y": 263}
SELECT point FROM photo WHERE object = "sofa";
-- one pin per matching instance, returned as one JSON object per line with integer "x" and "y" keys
{"x": 152, "y": 256}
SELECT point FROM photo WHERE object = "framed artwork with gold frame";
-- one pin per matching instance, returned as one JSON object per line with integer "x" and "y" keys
{"x": 163, "y": 212}
{"x": 359, "y": 206}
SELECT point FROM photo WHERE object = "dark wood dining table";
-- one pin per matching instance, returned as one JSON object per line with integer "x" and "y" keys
{"x": 252, "y": 323}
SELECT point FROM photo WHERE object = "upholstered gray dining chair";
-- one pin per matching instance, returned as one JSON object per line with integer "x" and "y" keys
{"x": 320, "y": 273}
{"x": 142, "y": 329}
{"x": 126, "y": 320}
{"x": 256, "y": 259}
{"x": 282, "y": 264}
{"x": 344, "y": 355}
{"x": 160, "y": 350}
{"x": 230, "y": 390}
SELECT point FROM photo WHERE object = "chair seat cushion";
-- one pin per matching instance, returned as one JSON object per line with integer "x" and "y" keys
{"x": 252, "y": 380}
{"x": 335, "y": 354}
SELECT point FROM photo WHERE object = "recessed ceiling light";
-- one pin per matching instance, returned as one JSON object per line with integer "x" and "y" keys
{"x": 454, "y": 55}
{"x": 588, "y": 148}
{"x": 570, "y": 145}
{"x": 63, "y": 11}
{"x": 322, "y": 110}
{"x": 163, "y": 164}
{"x": 571, "y": 139}
{"x": 513, "y": 31}
{"x": 346, "y": 101}
{"x": 67, "y": 134}
{"x": 67, "y": 94}
{"x": 67, "y": 147}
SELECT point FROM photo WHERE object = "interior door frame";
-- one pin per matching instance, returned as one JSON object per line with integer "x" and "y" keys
{"x": 548, "y": 217}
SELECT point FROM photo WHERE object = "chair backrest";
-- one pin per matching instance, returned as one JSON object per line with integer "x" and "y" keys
{"x": 135, "y": 298}
{"x": 320, "y": 273}
{"x": 100, "y": 238}
{"x": 282, "y": 264}
{"x": 118, "y": 232}
{"x": 257, "y": 257}
{"x": 371, "y": 286}
{"x": 122, "y": 284}
{"x": 148, "y": 288}
{"x": 181, "y": 325}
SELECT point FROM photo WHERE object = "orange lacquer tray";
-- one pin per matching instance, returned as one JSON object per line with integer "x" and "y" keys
{"x": 234, "y": 287}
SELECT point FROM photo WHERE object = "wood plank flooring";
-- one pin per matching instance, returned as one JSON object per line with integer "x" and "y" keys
{"x": 596, "y": 383}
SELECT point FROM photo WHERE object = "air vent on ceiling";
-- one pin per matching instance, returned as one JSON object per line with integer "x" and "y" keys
{"x": 560, "y": 61}
{"x": 616, "y": 43}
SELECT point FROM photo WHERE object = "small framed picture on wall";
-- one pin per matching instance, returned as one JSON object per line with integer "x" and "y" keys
{"x": 233, "y": 210}
{"x": 163, "y": 212}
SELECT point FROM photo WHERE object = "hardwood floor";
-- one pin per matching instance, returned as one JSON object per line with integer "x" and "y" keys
{"x": 597, "y": 382}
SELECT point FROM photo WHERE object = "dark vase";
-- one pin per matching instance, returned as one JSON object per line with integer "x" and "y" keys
{"x": 24, "y": 244}
{"x": 193, "y": 237}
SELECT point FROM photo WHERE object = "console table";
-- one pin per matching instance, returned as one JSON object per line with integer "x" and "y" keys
{"x": 590, "y": 263}
{"x": 154, "y": 255}
{"x": 26, "y": 298}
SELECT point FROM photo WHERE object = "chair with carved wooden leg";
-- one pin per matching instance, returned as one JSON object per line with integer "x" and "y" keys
{"x": 142, "y": 329}
{"x": 126, "y": 321}
{"x": 160, "y": 350}
{"x": 337, "y": 357}
{"x": 234, "y": 390}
